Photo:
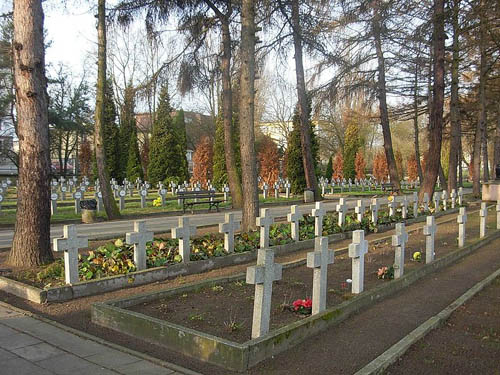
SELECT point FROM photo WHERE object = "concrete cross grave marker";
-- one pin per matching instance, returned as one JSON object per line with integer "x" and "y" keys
{"x": 426, "y": 202}
{"x": 392, "y": 207}
{"x": 483, "y": 216}
{"x": 319, "y": 260}
{"x": 276, "y": 190}
{"x": 262, "y": 276}
{"x": 287, "y": 190}
{"x": 415, "y": 204}
{"x": 444, "y": 197}
{"x": 360, "y": 209}
{"x": 264, "y": 222}
{"x": 139, "y": 237}
{"x": 144, "y": 193}
{"x": 53, "y": 203}
{"x": 1, "y": 200}
{"x": 318, "y": 213}
{"x": 357, "y": 250}
{"x": 404, "y": 207}
{"x": 341, "y": 208}
{"x": 429, "y": 231}
{"x": 228, "y": 228}
{"x": 399, "y": 241}
{"x": 461, "y": 220}
{"x": 460, "y": 196}
{"x": 264, "y": 190}
{"x": 293, "y": 218}
{"x": 162, "y": 192}
{"x": 183, "y": 233}
{"x": 374, "y": 208}
{"x": 498, "y": 214}
{"x": 435, "y": 199}
{"x": 98, "y": 197}
{"x": 225, "y": 190}
{"x": 70, "y": 243}
{"x": 122, "y": 194}
{"x": 64, "y": 189}
{"x": 453, "y": 197}
{"x": 77, "y": 195}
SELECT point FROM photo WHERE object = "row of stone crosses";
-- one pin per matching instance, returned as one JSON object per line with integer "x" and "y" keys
{"x": 63, "y": 188}
{"x": 359, "y": 184}
{"x": 266, "y": 271}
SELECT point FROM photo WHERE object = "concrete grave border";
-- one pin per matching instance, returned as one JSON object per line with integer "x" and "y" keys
{"x": 241, "y": 356}
{"x": 108, "y": 284}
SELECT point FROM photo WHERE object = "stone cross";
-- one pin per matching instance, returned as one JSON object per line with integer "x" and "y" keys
{"x": 70, "y": 243}
{"x": 276, "y": 190}
{"x": 483, "y": 216}
{"x": 399, "y": 240}
{"x": 53, "y": 203}
{"x": 415, "y": 204}
{"x": 319, "y": 260}
{"x": 98, "y": 196}
{"x": 374, "y": 209}
{"x": 225, "y": 190}
{"x": 64, "y": 189}
{"x": 341, "y": 208}
{"x": 444, "y": 197}
{"x": 122, "y": 194}
{"x": 264, "y": 190}
{"x": 426, "y": 202}
{"x": 228, "y": 228}
{"x": 144, "y": 193}
{"x": 287, "y": 190}
{"x": 318, "y": 213}
{"x": 264, "y": 222}
{"x": 461, "y": 220}
{"x": 392, "y": 207}
{"x": 453, "y": 197}
{"x": 429, "y": 231}
{"x": 139, "y": 237}
{"x": 162, "y": 192}
{"x": 435, "y": 198}
{"x": 262, "y": 276}
{"x": 357, "y": 250}
{"x": 1, "y": 200}
{"x": 404, "y": 207}
{"x": 293, "y": 218}
{"x": 183, "y": 233}
{"x": 360, "y": 209}
{"x": 498, "y": 214}
{"x": 460, "y": 196}
{"x": 77, "y": 195}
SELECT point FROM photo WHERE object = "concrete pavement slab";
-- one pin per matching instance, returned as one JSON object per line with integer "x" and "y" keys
{"x": 37, "y": 352}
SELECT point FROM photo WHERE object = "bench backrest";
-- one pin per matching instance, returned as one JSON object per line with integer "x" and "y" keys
{"x": 194, "y": 194}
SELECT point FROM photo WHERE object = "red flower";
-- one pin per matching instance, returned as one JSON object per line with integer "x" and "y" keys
{"x": 307, "y": 304}
{"x": 297, "y": 304}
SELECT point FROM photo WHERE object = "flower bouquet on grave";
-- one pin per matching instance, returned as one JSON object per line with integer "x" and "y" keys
{"x": 417, "y": 256}
{"x": 386, "y": 273}
{"x": 302, "y": 306}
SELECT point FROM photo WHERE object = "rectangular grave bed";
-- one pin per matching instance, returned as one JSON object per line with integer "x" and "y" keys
{"x": 150, "y": 275}
{"x": 196, "y": 319}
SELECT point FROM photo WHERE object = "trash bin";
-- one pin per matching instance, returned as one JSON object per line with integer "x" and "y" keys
{"x": 89, "y": 208}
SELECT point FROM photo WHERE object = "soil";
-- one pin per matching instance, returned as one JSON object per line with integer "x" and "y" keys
{"x": 468, "y": 343}
{"x": 206, "y": 309}
{"x": 367, "y": 334}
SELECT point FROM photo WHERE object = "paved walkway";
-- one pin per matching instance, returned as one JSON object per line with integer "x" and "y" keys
{"x": 29, "y": 346}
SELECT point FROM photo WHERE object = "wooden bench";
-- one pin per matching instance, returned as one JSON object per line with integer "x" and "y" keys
{"x": 388, "y": 187}
{"x": 190, "y": 199}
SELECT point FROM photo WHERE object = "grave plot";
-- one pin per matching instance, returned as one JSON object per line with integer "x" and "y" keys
{"x": 226, "y": 321}
{"x": 115, "y": 265}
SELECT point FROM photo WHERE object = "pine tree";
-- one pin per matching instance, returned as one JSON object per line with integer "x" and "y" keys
{"x": 380, "y": 168}
{"x": 351, "y": 147}
{"x": 111, "y": 132}
{"x": 294, "y": 165}
{"x": 360, "y": 165}
{"x": 338, "y": 166}
{"x": 165, "y": 154}
{"x": 127, "y": 126}
{"x": 134, "y": 167}
{"x": 180, "y": 128}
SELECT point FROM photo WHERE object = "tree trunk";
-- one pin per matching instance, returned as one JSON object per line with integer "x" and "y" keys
{"x": 416, "y": 129}
{"x": 481, "y": 123}
{"x": 108, "y": 200}
{"x": 486, "y": 164}
{"x": 247, "y": 137}
{"x": 496, "y": 152}
{"x": 455, "y": 130}
{"x": 382, "y": 99}
{"x": 305, "y": 138}
{"x": 31, "y": 243}
{"x": 227, "y": 97}
{"x": 433, "y": 160}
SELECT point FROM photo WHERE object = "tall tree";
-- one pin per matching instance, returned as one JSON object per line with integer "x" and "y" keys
{"x": 31, "y": 243}
{"x": 246, "y": 111}
{"x": 111, "y": 131}
{"x": 433, "y": 156}
{"x": 180, "y": 129}
{"x": 127, "y": 126}
{"x": 109, "y": 202}
{"x": 134, "y": 165}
